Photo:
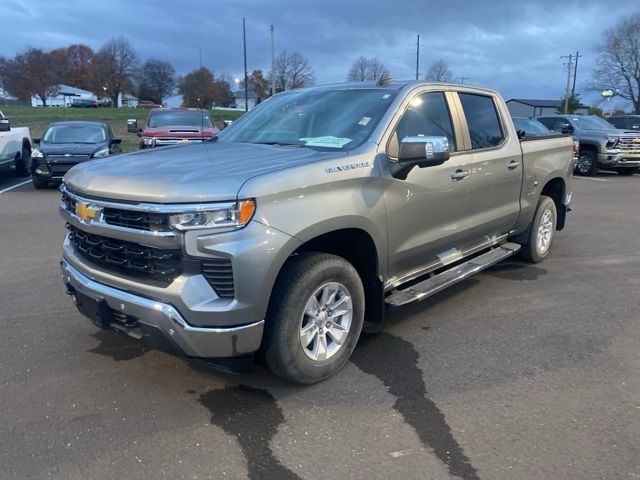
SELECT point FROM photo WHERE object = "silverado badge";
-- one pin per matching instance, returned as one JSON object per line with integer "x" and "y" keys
{"x": 87, "y": 212}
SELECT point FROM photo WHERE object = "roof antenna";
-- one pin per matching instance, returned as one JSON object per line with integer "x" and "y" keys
{"x": 385, "y": 79}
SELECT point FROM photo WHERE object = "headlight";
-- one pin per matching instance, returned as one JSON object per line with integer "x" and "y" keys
{"x": 149, "y": 141}
{"x": 101, "y": 153}
{"x": 228, "y": 216}
{"x": 611, "y": 143}
{"x": 35, "y": 153}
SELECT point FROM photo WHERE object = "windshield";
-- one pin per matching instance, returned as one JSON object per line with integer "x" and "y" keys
{"x": 326, "y": 119}
{"x": 530, "y": 126}
{"x": 167, "y": 118}
{"x": 591, "y": 123}
{"x": 75, "y": 134}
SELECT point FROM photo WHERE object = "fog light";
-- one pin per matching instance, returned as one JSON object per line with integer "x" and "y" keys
{"x": 43, "y": 169}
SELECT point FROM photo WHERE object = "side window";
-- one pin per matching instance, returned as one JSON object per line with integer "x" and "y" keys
{"x": 427, "y": 115}
{"x": 485, "y": 129}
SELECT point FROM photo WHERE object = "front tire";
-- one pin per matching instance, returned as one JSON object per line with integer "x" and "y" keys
{"x": 23, "y": 163}
{"x": 587, "y": 163}
{"x": 542, "y": 230}
{"x": 315, "y": 317}
{"x": 627, "y": 171}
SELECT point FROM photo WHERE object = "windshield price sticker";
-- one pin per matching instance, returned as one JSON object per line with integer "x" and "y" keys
{"x": 329, "y": 141}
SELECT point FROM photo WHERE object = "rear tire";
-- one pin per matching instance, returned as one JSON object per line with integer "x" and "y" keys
{"x": 318, "y": 300}
{"x": 40, "y": 184}
{"x": 587, "y": 163}
{"x": 627, "y": 171}
{"x": 23, "y": 163}
{"x": 541, "y": 233}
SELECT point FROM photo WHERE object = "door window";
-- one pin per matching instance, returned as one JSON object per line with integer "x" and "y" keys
{"x": 484, "y": 124}
{"x": 427, "y": 115}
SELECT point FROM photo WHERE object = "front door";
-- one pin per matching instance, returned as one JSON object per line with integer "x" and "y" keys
{"x": 426, "y": 212}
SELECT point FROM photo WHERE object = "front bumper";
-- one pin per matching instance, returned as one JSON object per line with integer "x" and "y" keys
{"x": 619, "y": 160}
{"x": 153, "y": 315}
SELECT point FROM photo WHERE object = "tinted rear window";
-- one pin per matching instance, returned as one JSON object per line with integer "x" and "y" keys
{"x": 485, "y": 129}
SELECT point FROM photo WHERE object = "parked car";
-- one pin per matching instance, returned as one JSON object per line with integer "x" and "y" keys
{"x": 532, "y": 128}
{"x": 147, "y": 104}
{"x": 66, "y": 144}
{"x": 625, "y": 122}
{"x": 601, "y": 144}
{"x": 307, "y": 216}
{"x": 169, "y": 126}
{"x": 15, "y": 147}
{"x": 83, "y": 103}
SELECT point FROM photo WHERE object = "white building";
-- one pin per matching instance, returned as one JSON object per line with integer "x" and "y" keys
{"x": 252, "y": 99}
{"x": 65, "y": 96}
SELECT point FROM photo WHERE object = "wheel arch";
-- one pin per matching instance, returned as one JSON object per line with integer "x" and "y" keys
{"x": 555, "y": 189}
{"x": 359, "y": 248}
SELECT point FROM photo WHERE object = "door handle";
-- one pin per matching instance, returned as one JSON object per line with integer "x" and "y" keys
{"x": 513, "y": 164}
{"x": 460, "y": 174}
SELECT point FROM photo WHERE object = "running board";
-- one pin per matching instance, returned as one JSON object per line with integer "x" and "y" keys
{"x": 439, "y": 282}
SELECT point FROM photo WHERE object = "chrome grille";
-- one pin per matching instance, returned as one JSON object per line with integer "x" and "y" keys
{"x": 629, "y": 145}
{"x": 68, "y": 158}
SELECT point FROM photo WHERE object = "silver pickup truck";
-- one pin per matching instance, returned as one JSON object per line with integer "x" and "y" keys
{"x": 310, "y": 215}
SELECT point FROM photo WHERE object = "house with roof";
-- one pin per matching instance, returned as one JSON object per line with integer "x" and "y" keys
{"x": 252, "y": 99}
{"x": 522, "y": 107}
{"x": 65, "y": 96}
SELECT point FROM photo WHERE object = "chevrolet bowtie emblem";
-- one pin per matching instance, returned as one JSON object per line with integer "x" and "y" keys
{"x": 87, "y": 212}
{"x": 636, "y": 140}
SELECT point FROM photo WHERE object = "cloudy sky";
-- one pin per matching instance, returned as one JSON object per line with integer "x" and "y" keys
{"x": 514, "y": 46}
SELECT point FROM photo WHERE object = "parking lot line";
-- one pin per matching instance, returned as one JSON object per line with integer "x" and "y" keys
{"x": 15, "y": 186}
{"x": 581, "y": 178}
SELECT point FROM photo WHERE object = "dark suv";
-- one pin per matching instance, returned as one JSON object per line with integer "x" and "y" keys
{"x": 625, "y": 122}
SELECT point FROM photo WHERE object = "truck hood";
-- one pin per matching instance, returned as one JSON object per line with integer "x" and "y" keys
{"x": 610, "y": 133}
{"x": 204, "y": 172}
{"x": 71, "y": 148}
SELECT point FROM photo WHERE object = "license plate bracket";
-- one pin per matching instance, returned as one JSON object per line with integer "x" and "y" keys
{"x": 94, "y": 309}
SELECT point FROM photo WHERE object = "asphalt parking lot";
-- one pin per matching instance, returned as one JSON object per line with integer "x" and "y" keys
{"x": 522, "y": 372}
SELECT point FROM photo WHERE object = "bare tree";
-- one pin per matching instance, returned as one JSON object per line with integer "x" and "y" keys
{"x": 115, "y": 65}
{"x": 618, "y": 60}
{"x": 439, "y": 71}
{"x": 157, "y": 80}
{"x": 366, "y": 69}
{"x": 292, "y": 70}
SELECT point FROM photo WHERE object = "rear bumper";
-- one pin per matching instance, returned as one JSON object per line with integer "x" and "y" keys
{"x": 152, "y": 315}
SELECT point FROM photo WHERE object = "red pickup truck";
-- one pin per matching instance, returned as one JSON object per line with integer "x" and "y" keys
{"x": 169, "y": 126}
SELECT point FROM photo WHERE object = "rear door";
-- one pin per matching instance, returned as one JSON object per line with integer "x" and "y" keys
{"x": 494, "y": 159}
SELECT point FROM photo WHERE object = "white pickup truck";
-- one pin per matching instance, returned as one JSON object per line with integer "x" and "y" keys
{"x": 15, "y": 148}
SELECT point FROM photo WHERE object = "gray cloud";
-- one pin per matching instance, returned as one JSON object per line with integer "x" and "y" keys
{"x": 512, "y": 46}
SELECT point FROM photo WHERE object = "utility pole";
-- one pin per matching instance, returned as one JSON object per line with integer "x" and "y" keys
{"x": 200, "y": 51}
{"x": 273, "y": 64}
{"x": 418, "y": 57}
{"x": 567, "y": 90}
{"x": 575, "y": 73}
{"x": 462, "y": 79}
{"x": 246, "y": 83}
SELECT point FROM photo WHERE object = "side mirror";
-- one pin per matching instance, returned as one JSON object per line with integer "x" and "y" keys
{"x": 116, "y": 141}
{"x": 521, "y": 134}
{"x": 36, "y": 141}
{"x": 566, "y": 128}
{"x": 132, "y": 125}
{"x": 5, "y": 126}
{"x": 423, "y": 151}
{"x": 227, "y": 123}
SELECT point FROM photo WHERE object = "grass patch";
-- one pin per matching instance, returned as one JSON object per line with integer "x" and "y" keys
{"x": 38, "y": 119}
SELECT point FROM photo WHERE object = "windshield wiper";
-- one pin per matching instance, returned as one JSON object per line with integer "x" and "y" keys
{"x": 281, "y": 144}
